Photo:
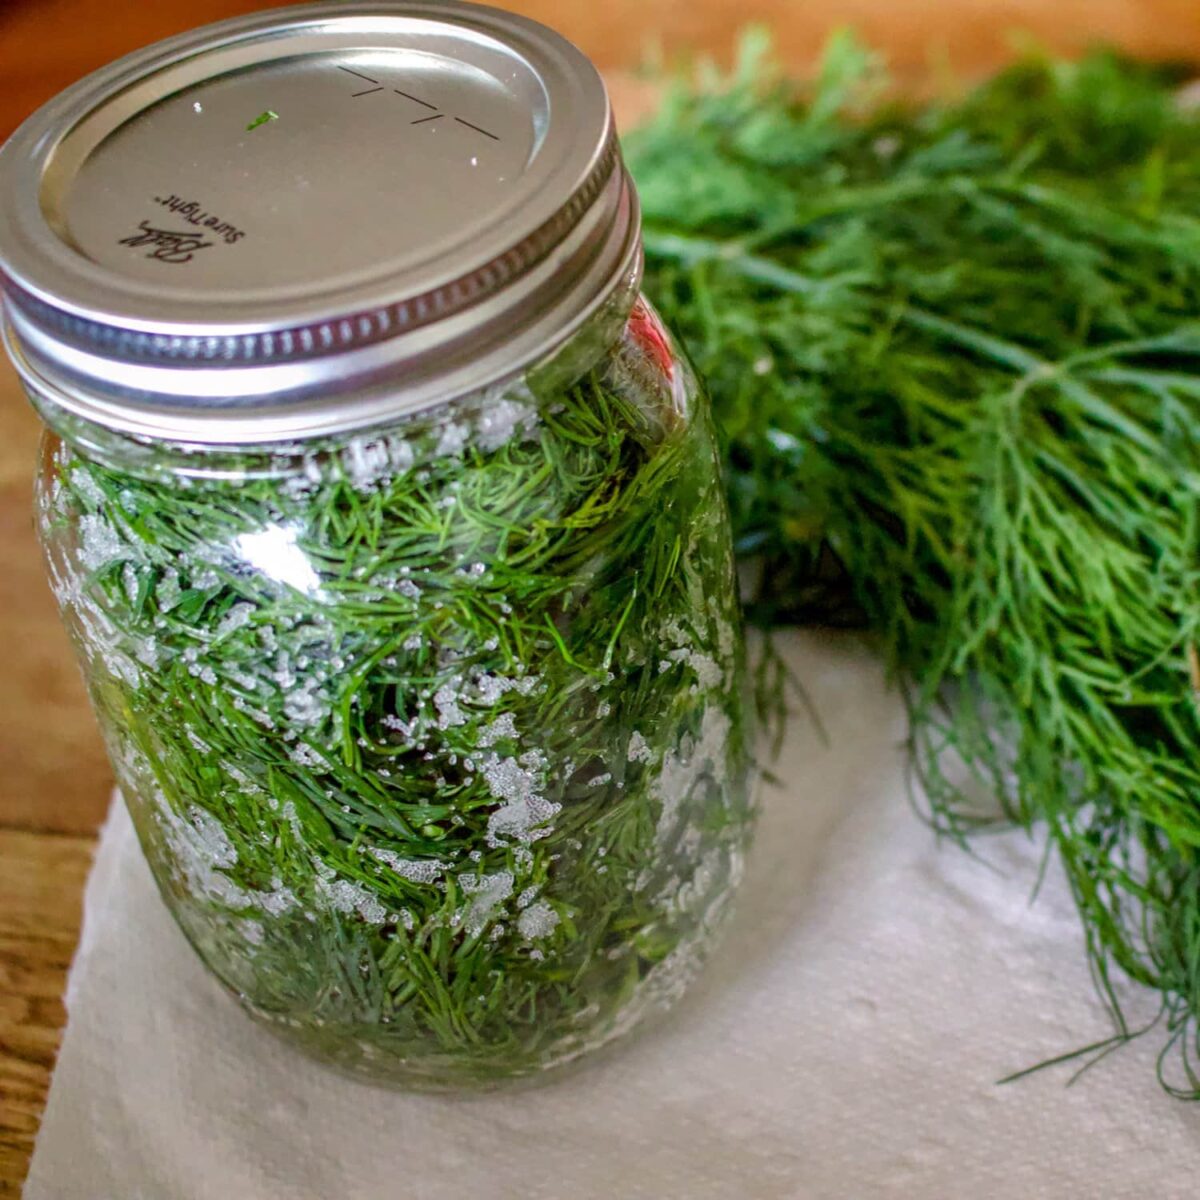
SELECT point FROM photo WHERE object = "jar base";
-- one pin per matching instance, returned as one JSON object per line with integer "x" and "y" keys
{"x": 366, "y": 1061}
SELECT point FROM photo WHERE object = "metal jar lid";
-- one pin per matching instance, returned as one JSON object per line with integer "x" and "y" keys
{"x": 308, "y": 220}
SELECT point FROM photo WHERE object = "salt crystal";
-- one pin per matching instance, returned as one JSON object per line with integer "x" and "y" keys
{"x": 488, "y": 892}
{"x": 85, "y": 484}
{"x": 234, "y": 619}
{"x": 503, "y": 727}
{"x": 145, "y": 650}
{"x": 638, "y": 750}
{"x": 99, "y": 543}
{"x": 453, "y": 438}
{"x": 537, "y": 921}
{"x": 263, "y": 718}
{"x": 708, "y": 673}
{"x": 278, "y": 900}
{"x": 306, "y": 707}
{"x": 400, "y": 451}
{"x": 500, "y": 420}
{"x": 129, "y": 580}
{"x": 367, "y": 463}
{"x": 413, "y": 869}
{"x": 200, "y": 848}
{"x": 683, "y": 769}
{"x": 526, "y": 812}
{"x": 304, "y": 755}
{"x": 346, "y": 897}
{"x": 213, "y": 840}
{"x": 445, "y": 700}
{"x": 406, "y": 728}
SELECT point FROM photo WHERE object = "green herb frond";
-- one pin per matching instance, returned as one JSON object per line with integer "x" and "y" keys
{"x": 955, "y": 355}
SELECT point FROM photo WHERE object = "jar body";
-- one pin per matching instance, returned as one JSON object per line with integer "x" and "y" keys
{"x": 434, "y": 736}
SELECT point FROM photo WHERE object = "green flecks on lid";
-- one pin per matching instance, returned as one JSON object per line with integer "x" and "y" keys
{"x": 262, "y": 118}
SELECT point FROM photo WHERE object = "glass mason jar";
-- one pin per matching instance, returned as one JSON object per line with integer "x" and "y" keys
{"x": 426, "y": 697}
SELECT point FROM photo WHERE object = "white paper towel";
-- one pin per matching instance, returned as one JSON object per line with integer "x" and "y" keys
{"x": 843, "y": 1044}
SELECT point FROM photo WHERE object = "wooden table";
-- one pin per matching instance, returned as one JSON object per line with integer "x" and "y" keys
{"x": 56, "y": 780}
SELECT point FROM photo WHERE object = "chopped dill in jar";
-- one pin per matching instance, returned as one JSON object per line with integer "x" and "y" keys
{"x": 435, "y": 735}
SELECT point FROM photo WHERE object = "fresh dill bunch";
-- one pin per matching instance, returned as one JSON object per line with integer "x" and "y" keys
{"x": 955, "y": 356}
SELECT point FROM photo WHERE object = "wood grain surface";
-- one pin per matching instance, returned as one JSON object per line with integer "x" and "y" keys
{"x": 55, "y": 779}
